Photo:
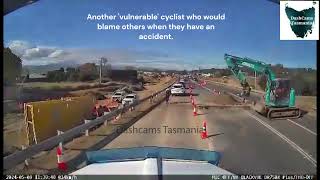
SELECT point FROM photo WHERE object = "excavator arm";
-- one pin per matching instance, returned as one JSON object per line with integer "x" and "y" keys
{"x": 279, "y": 100}
{"x": 235, "y": 63}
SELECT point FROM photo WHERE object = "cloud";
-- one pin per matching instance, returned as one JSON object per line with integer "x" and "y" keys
{"x": 42, "y": 55}
{"x": 19, "y": 47}
{"x": 28, "y": 52}
{"x": 57, "y": 54}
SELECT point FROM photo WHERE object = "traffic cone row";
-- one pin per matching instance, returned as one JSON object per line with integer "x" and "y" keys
{"x": 61, "y": 164}
{"x": 204, "y": 133}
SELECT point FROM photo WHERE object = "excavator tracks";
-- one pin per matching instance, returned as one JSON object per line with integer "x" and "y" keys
{"x": 283, "y": 113}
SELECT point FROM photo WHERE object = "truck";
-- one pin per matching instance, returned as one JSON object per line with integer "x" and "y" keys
{"x": 279, "y": 99}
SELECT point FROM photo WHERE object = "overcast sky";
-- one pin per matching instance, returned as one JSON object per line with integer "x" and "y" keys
{"x": 52, "y": 31}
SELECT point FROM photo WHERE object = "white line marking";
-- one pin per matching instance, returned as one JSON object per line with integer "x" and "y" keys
{"x": 303, "y": 127}
{"x": 295, "y": 146}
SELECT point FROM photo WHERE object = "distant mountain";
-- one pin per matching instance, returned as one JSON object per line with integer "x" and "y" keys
{"x": 42, "y": 69}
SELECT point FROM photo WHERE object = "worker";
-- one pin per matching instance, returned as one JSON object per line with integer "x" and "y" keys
{"x": 168, "y": 93}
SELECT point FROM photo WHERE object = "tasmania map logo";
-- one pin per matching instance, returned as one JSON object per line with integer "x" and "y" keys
{"x": 299, "y": 20}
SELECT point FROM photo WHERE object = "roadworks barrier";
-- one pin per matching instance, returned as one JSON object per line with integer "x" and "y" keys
{"x": 12, "y": 160}
{"x": 44, "y": 118}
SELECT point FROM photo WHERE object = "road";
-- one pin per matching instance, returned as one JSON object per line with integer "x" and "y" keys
{"x": 306, "y": 120}
{"x": 253, "y": 96}
{"x": 249, "y": 143}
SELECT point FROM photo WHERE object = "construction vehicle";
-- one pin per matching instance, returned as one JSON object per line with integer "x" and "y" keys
{"x": 279, "y": 98}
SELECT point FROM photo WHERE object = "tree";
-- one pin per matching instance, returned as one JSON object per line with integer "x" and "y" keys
{"x": 56, "y": 76}
{"x": 278, "y": 69}
{"x": 12, "y": 67}
{"x": 106, "y": 70}
{"x": 88, "y": 71}
{"x": 72, "y": 74}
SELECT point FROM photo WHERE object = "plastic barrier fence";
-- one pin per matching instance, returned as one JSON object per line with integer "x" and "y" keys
{"x": 44, "y": 118}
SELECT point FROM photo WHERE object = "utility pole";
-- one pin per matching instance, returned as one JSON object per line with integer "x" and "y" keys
{"x": 255, "y": 79}
{"x": 100, "y": 74}
{"x": 103, "y": 61}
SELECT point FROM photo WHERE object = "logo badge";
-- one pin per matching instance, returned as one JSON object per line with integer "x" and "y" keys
{"x": 299, "y": 20}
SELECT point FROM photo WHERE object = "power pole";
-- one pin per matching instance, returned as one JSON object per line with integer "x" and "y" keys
{"x": 103, "y": 62}
{"x": 255, "y": 79}
{"x": 100, "y": 71}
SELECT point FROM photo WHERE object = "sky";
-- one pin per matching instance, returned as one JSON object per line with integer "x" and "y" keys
{"x": 57, "y": 31}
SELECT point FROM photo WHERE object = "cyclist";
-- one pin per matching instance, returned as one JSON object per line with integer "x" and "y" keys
{"x": 168, "y": 93}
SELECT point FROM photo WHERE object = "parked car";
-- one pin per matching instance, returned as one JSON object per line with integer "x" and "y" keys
{"x": 178, "y": 89}
{"x": 118, "y": 96}
{"x": 129, "y": 99}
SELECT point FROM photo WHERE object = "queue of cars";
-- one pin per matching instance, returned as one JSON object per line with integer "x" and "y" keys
{"x": 118, "y": 99}
{"x": 179, "y": 88}
{"x": 124, "y": 98}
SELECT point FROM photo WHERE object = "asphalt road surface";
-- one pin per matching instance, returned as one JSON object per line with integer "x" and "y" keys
{"x": 253, "y": 96}
{"x": 249, "y": 143}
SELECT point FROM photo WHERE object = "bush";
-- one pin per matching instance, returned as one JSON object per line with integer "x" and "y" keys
{"x": 56, "y": 76}
{"x": 74, "y": 76}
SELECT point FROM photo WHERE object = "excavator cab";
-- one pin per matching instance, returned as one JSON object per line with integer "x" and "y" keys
{"x": 280, "y": 92}
{"x": 282, "y": 100}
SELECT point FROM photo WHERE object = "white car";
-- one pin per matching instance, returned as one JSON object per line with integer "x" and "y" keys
{"x": 129, "y": 99}
{"x": 118, "y": 96}
{"x": 178, "y": 89}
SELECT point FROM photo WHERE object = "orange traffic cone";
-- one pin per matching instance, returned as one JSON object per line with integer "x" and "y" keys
{"x": 204, "y": 133}
{"x": 192, "y": 101}
{"x": 61, "y": 164}
{"x": 194, "y": 110}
